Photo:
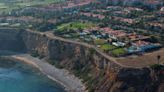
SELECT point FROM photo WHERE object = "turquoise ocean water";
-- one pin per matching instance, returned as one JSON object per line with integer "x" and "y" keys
{"x": 18, "y": 77}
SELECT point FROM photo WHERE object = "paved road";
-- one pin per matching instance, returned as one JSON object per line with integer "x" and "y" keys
{"x": 50, "y": 35}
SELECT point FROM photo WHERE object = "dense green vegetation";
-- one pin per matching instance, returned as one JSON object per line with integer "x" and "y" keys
{"x": 55, "y": 63}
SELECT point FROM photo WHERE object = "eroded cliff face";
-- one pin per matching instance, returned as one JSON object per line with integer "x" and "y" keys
{"x": 10, "y": 40}
{"x": 98, "y": 73}
{"x": 35, "y": 43}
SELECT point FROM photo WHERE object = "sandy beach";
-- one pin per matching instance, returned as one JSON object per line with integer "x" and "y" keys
{"x": 61, "y": 76}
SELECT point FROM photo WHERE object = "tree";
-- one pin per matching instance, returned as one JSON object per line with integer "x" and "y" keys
{"x": 153, "y": 39}
{"x": 158, "y": 59}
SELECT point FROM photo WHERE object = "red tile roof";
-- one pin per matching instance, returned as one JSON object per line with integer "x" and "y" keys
{"x": 141, "y": 43}
{"x": 117, "y": 33}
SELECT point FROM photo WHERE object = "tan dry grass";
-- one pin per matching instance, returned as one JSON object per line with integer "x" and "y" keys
{"x": 144, "y": 60}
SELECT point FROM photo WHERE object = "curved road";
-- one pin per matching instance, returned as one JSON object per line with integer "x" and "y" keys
{"x": 50, "y": 35}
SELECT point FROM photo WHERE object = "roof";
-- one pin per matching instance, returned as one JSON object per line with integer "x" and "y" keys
{"x": 133, "y": 36}
{"x": 117, "y": 33}
{"x": 141, "y": 43}
{"x": 94, "y": 15}
{"x": 162, "y": 9}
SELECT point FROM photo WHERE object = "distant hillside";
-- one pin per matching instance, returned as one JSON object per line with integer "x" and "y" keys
{"x": 148, "y": 3}
{"x": 144, "y": 1}
{"x": 9, "y": 5}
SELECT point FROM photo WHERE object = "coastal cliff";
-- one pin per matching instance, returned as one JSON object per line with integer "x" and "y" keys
{"x": 10, "y": 40}
{"x": 98, "y": 73}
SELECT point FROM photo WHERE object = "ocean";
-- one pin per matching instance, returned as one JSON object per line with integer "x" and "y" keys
{"x": 20, "y": 77}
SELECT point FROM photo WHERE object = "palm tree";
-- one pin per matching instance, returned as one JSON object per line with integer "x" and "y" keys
{"x": 158, "y": 59}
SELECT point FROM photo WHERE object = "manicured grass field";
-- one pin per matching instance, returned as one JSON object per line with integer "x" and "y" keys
{"x": 75, "y": 26}
{"x": 99, "y": 42}
{"x": 119, "y": 52}
{"x": 107, "y": 47}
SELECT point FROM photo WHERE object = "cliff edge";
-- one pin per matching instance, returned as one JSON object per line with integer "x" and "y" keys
{"x": 98, "y": 73}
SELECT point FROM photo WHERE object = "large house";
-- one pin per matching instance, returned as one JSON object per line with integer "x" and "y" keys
{"x": 142, "y": 46}
{"x": 114, "y": 34}
{"x": 162, "y": 9}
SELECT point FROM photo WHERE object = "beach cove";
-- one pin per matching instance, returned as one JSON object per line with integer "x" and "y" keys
{"x": 61, "y": 76}
{"x": 19, "y": 77}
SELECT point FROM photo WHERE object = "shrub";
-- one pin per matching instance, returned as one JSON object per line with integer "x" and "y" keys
{"x": 35, "y": 54}
{"x": 157, "y": 67}
{"x": 55, "y": 63}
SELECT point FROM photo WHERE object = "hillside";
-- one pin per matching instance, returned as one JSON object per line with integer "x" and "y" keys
{"x": 111, "y": 45}
{"x": 147, "y": 3}
{"x": 8, "y": 5}
{"x": 97, "y": 73}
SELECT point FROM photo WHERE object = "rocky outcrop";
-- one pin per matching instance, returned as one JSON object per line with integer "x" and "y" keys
{"x": 98, "y": 73}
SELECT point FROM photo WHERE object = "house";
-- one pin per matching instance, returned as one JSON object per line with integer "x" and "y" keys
{"x": 126, "y": 20}
{"x": 99, "y": 16}
{"x": 114, "y": 8}
{"x": 93, "y": 37}
{"x": 155, "y": 24}
{"x": 140, "y": 43}
{"x": 114, "y": 34}
{"x": 142, "y": 46}
{"x": 137, "y": 47}
{"x": 86, "y": 31}
{"x": 82, "y": 33}
{"x": 132, "y": 36}
{"x": 4, "y": 24}
{"x": 117, "y": 13}
{"x": 133, "y": 49}
{"x": 133, "y": 9}
{"x": 118, "y": 44}
{"x": 136, "y": 37}
{"x": 162, "y": 9}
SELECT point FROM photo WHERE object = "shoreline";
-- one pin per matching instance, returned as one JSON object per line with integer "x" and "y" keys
{"x": 69, "y": 82}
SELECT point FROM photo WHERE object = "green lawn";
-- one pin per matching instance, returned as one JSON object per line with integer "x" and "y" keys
{"x": 107, "y": 47}
{"x": 75, "y": 26}
{"x": 119, "y": 52}
{"x": 99, "y": 42}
